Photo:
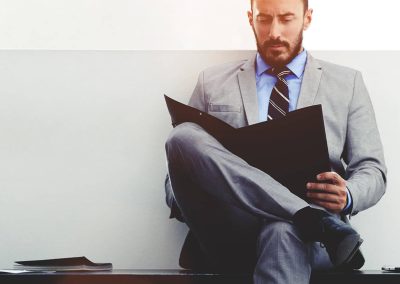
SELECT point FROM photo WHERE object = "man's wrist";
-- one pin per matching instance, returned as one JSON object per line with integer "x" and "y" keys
{"x": 347, "y": 209}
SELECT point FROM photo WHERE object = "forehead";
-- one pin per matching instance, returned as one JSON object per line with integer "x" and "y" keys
{"x": 273, "y": 7}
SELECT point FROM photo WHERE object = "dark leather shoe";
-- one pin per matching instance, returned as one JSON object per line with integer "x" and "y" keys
{"x": 340, "y": 239}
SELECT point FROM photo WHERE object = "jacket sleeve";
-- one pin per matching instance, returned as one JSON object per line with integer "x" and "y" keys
{"x": 198, "y": 99}
{"x": 366, "y": 170}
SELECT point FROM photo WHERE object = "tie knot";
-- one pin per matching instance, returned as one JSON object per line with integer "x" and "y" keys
{"x": 279, "y": 72}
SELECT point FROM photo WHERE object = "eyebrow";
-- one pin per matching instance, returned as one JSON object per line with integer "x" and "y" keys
{"x": 280, "y": 15}
{"x": 287, "y": 14}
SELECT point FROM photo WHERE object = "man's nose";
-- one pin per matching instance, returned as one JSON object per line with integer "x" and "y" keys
{"x": 275, "y": 29}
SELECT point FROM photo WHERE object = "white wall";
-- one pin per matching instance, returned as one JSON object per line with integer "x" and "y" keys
{"x": 82, "y": 153}
{"x": 82, "y": 162}
{"x": 185, "y": 24}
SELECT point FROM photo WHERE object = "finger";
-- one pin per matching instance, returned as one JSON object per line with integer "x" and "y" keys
{"x": 331, "y": 177}
{"x": 326, "y": 187}
{"x": 329, "y": 206}
{"x": 324, "y": 197}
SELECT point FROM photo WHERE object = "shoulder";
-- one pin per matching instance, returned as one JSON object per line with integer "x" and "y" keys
{"x": 228, "y": 66}
{"x": 336, "y": 70}
{"x": 335, "y": 75}
{"x": 227, "y": 70}
{"x": 336, "y": 67}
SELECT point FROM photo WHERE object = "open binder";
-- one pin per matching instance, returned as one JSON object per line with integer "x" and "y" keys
{"x": 292, "y": 149}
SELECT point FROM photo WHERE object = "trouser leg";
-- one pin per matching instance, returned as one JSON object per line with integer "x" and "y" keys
{"x": 218, "y": 172}
{"x": 221, "y": 197}
{"x": 226, "y": 234}
{"x": 282, "y": 257}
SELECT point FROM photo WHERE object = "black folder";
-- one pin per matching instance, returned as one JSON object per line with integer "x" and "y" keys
{"x": 292, "y": 149}
{"x": 62, "y": 264}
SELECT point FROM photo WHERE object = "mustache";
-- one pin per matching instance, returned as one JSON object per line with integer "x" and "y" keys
{"x": 268, "y": 43}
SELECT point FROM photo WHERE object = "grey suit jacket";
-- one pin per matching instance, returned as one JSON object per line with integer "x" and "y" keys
{"x": 229, "y": 92}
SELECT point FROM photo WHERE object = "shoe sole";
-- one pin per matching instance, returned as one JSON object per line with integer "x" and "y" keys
{"x": 347, "y": 249}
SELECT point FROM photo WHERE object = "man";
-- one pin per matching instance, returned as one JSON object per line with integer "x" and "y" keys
{"x": 241, "y": 218}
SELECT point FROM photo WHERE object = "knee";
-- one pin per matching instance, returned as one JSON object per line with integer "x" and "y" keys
{"x": 184, "y": 139}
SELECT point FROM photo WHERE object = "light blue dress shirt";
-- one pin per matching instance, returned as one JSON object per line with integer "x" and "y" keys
{"x": 266, "y": 82}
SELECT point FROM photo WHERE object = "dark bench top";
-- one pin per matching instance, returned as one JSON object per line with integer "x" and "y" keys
{"x": 157, "y": 276}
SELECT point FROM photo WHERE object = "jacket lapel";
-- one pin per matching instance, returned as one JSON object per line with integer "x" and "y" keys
{"x": 248, "y": 90}
{"x": 310, "y": 82}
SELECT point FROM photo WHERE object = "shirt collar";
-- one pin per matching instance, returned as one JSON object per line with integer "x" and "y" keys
{"x": 297, "y": 65}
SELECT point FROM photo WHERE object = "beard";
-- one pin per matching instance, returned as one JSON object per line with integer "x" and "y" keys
{"x": 279, "y": 58}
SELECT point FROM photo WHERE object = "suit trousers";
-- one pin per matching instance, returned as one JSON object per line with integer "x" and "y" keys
{"x": 240, "y": 216}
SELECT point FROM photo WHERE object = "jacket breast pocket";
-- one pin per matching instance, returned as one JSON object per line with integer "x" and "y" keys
{"x": 223, "y": 108}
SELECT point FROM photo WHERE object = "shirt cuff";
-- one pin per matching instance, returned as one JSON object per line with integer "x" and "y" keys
{"x": 347, "y": 209}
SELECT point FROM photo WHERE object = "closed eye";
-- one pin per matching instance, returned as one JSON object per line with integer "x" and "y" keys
{"x": 287, "y": 17}
{"x": 264, "y": 19}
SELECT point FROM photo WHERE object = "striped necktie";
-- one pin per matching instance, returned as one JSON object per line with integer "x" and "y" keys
{"x": 279, "y": 100}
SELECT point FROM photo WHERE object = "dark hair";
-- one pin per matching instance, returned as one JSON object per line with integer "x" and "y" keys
{"x": 305, "y": 2}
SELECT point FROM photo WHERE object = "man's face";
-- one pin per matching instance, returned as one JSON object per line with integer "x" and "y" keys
{"x": 278, "y": 26}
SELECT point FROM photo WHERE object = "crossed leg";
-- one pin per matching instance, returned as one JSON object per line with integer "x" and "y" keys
{"x": 239, "y": 215}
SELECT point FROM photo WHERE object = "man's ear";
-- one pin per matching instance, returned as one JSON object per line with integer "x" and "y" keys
{"x": 307, "y": 19}
{"x": 250, "y": 17}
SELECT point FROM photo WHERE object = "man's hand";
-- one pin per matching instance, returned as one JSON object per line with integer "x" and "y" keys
{"x": 330, "y": 193}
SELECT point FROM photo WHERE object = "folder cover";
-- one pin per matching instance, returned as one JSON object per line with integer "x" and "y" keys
{"x": 63, "y": 264}
{"x": 292, "y": 149}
